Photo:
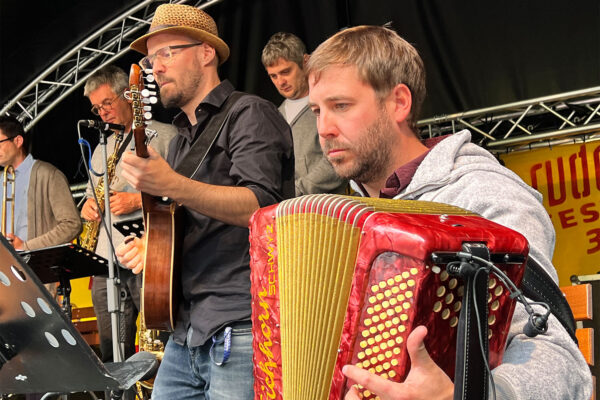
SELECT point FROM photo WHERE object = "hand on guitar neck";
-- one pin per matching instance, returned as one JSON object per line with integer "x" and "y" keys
{"x": 151, "y": 175}
{"x": 130, "y": 254}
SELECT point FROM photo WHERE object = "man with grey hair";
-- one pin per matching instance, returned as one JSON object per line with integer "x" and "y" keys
{"x": 284, "y": 57}
{"x": 367, "y": 85}
{"x": 105, "y": 89}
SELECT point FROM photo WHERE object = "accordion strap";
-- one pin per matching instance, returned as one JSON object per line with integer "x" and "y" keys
{"x": 538, "y": 286}
{"x": 470, "y": 376}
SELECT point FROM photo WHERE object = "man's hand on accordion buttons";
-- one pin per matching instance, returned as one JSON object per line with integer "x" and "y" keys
{"x": 424, "y": 381}
{"x": 131, "y": 254}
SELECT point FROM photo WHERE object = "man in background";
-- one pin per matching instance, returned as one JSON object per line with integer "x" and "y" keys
{"x": 105, "y": 89}
{"x": 45, "y": 214}
{"x": 284, "y": 57}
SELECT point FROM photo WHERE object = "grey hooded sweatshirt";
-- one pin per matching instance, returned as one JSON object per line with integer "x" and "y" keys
{"x": 462, "y": 174}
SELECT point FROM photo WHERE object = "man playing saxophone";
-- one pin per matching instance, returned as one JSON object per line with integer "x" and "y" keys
{"x": 44, "y": 211}
{"x": 106, "y": 89}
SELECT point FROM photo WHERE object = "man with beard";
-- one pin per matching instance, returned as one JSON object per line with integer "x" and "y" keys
{"x": 250, "y": 165}
{"x": 284, "y": 57}
{"x": 367, "y": 85}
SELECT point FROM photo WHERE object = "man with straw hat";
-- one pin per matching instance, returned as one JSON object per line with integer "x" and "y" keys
{"x": 250, "y": 165}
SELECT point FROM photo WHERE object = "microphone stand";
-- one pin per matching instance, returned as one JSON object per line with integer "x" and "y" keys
{"x": 111, "y": 284}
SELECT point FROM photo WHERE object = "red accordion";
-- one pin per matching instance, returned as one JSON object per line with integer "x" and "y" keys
{"x": 343, "y": 280}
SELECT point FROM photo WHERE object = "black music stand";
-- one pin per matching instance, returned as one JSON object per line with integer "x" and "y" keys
{"x": 61, "y": 264}
{"x": 130, "y": 227}
{"x": 40, "y": 350}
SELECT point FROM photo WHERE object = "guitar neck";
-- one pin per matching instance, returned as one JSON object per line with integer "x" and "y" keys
{"x": 139, "y": 135}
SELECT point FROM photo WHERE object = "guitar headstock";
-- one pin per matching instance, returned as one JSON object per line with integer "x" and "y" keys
{"x": 142, "y": 96}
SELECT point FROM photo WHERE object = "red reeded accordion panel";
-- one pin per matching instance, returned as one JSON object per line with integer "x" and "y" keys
{"x": 341, "y": 280}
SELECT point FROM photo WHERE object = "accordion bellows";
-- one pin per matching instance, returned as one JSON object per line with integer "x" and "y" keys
{"x": 338, "y": 280}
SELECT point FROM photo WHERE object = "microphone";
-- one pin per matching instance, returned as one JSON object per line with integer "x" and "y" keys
{"x": 103, "y": 126}
{"x": 537, "y": 324}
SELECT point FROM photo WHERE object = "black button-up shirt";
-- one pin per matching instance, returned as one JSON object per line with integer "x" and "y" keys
{"x": 253, "y": 150}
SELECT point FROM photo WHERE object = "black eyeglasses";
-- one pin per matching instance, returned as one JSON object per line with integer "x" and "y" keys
{"x": 106, "y": 106}
{"x": 165, "y": 55}
{"x": 10, "y": 138}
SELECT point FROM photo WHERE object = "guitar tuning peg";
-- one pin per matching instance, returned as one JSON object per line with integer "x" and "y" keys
{"x": 150, "y": 134}
{"x": 147, "y": 115}
{"x": 149, "y": 100}
{"x": 151, "y": 85}
{"x": 147, "y": 108}
{"x": 149, "y": 77}
{"x": 148, "y": 93}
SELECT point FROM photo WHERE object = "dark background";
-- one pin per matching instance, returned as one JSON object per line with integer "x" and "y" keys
{"x": 477, "y": 53}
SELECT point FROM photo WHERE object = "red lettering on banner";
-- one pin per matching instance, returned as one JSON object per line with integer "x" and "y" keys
{"x": 552, "y": 199}
{"x": 588, "y": 211}
{"x": 578, "y": 173}
{"x": 594, "y": 239}
{"x": 532, "y": 173}
{"x": 585, "y": 178}
{"x": 597, "y": 166}
{"x": 564, "y": 218}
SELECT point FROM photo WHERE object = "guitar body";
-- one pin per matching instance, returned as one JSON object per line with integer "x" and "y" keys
{"x": 162, "y": 274}
{"x": 163, "y": 226}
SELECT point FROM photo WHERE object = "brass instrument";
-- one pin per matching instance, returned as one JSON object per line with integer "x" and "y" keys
{"x": 9, "y": 176}
{"x": 149, "y": 341}
{"x": 88, "y": 238}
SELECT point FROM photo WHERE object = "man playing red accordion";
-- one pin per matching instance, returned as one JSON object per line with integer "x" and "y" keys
{"x": 367, "y": 86}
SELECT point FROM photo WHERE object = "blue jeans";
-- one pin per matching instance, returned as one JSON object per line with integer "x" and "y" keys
{"x": 189, "y": 373}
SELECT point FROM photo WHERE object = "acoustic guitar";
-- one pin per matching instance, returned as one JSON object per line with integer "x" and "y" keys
{"x": 161, "y": 287}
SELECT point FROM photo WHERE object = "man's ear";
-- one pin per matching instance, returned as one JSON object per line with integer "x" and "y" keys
{"x": 208, "y": 54}
{"x": 402, "y": 102}
{"x": 18, "y": 141}
{"x": 305, "y": 59}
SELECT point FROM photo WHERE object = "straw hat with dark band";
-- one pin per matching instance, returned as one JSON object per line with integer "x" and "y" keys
{"x": 185, "y": 20}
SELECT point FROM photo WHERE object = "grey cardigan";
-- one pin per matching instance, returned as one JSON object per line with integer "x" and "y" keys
{"x": 52, "y": 217}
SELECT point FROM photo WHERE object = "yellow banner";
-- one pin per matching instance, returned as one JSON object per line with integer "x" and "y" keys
{"x": 569, "y": 179}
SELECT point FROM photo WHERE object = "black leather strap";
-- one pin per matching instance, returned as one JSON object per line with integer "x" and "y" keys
{"x": 470, "y": 375}
{"x": 538, "y": 286}
{"x": 123, "y": 146}
{"x": 194, "y": 158}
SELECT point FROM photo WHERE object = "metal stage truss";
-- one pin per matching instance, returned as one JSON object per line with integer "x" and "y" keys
{"x": 72, "y": 69}
{"x": 551, "y": 120}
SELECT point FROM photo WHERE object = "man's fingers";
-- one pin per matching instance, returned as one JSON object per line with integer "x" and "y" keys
{"x": 152, "y": 153}
{"x": 352, "y": 394}
{"x": 138, "y": 268}
{"x": 419, "y": 357}
{"x": 372, "y": 382}
{"x": 131, "y": 255}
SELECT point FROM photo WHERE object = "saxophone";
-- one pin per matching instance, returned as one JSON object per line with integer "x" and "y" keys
{"x": 88, "y": 238}
{"x": 148, "y": 340}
